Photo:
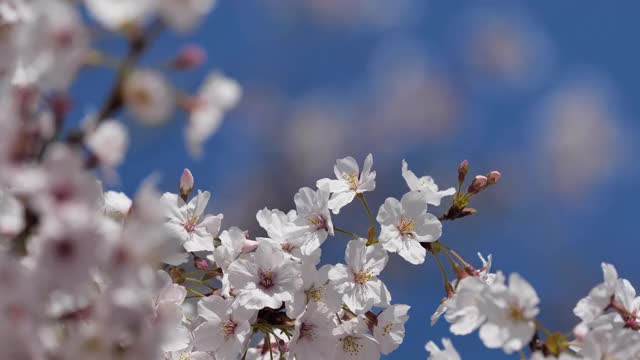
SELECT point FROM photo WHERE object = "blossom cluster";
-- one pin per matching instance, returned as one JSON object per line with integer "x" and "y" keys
{"x": 89, "y": 273}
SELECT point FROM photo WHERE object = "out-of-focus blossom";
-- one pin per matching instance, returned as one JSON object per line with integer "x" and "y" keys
{"x": 413, "y": 97}
{"x": 116, "y": 205}
{"x": 149, "y": 97}
{"x": 218, "y": 95}
{"x": 118, "y": 14}
{"x": 350, "y": 14}
{"x": 109, "y": 142}
{"x": 184, "y": 15}
{"x": 505, "y": 47}
{"x": 447, "y": 353}
{"x": 11, "y": 216}
{"x": 580, "y": 139}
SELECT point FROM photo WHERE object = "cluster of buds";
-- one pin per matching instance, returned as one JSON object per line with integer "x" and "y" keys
{"x": 460, "y": 207}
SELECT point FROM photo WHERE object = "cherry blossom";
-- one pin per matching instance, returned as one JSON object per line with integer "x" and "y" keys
{"x": 510, "y": 312}
{"x": 313, "y": 336}
{"x": 357, "y": 281}
{"x": 313, "y": 213}
{"x": 425, "y": 185}
{"x": 388, "y": 329}
{"x": 225, "y": 329}
{"x": 448, "y": 353}
{"x": 354, "y": 342}
{"x": 186, "y": 220}
{"x": 350, "y": 181}
{"x": 266, "y": 277}
{"x": 405, "y": 224}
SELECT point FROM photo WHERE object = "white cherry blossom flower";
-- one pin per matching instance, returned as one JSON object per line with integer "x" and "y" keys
{"x": 591, "y": 306}
{"x": 353, "y": 341}
{"x": 218, "y": 95}
{"x": 425, "y": 185}
{"x": 109, "y": 142}
{"x": 149, "y": 97}
{"x": 313, "y": 335}
{"x": 357, "y": 281}
{"x": 265, "y": 278}
{"x": 232, "y": 242}
{"x": 350, "y": 181}
{"x": 117, "y": 14}
{"x": 11, "y": 215}
{"x": 447, "y": 353}
{"x": 461, "y": 310}
{"x": 540, "y": 356}
{"x": 186, "y": 221}
{"x": 226, "y": 328}
{"x": 313, "y": 213}
{"x": 316, "y": 291}
{"x": 68, "y": 243}
{"x": 283, "y": 232}
{"x": 116, "y": 205}
{"x": 510, "y": 313}
{"x": 611, "y": 344}
{"x": 405, "y": 224}
{"x": 184, "y": 15}
{"x": 167, "y": 304}
{"x": 389, "y": 327}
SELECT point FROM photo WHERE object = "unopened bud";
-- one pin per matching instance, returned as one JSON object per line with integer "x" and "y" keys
{"x": 186, "y": 184}
{"x": 493, "y": 177}
{"x": 201, "y": 264}
{"x": 189, "y": 57}
{"x": 478, "y": 184}
{"x": 463, "y": 169}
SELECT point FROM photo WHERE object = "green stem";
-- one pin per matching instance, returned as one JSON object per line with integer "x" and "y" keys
{"x": 267, "y": 341}
{"x": 372, "y": 220}
{"x": 542, "y": 327}
{"x": 195, "y": 292}
{"x": 353, "y": 235}
{"x": 444, "y": 273}
{"x": 522, "y": 355}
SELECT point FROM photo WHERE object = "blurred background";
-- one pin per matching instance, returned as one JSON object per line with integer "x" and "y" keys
{"x": 542, "y": 91}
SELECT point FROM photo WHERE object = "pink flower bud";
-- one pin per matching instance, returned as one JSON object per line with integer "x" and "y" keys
{"x": 463, "y": 169}
{"x": 478, "y": 184}
{"x": 189, "y": 57}
{"x": 186, "y": 183}
{"x": 201, "y": 264}
{"x": 493, "y": 177}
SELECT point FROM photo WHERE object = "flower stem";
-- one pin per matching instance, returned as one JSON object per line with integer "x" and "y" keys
{"x": 353, "y": 235}
{"x": 445, "y": 278}
{"x": 372, "y": 221}
{"x": 195, "y": 292}
{"x": 541, "y": 327}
